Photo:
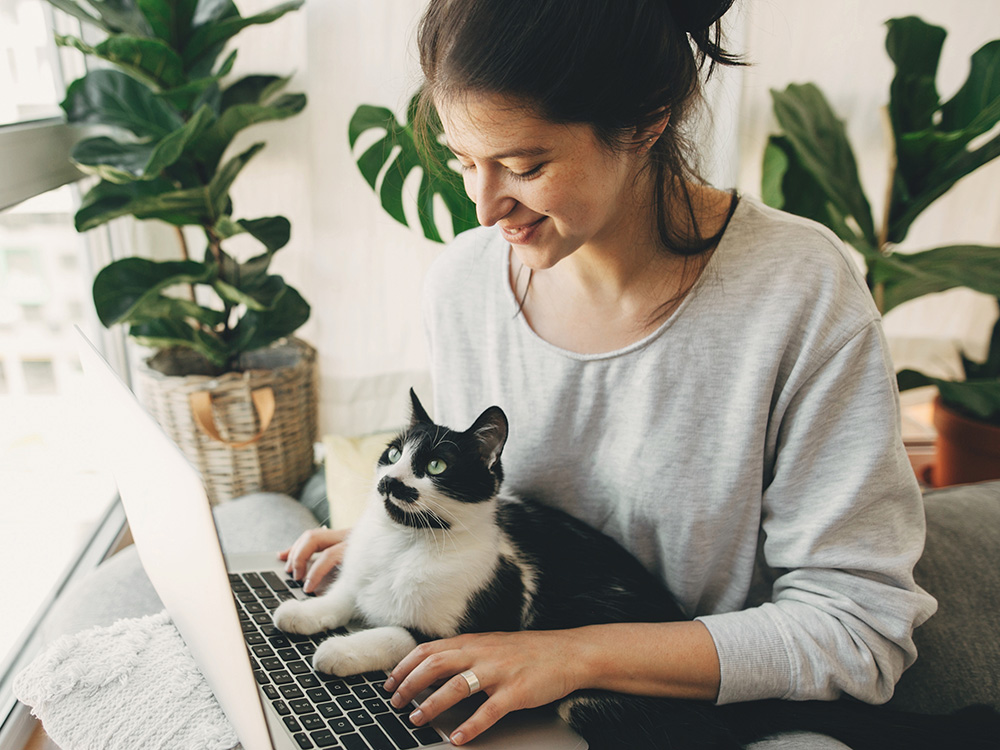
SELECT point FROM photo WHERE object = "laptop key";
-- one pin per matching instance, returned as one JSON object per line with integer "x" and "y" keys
{"x": 395, "y": 729}
{"x": 318, "y": 695}
{"x": 427, "y": 735}
{"x": 340, "y": 725}
{"x": 375, "y": 706}
{"x": 353, "y": 742}
{"x": 323, "y": 738}
{"x": 364, "y": 691}
{"x": 304, "y": 742}
{"x": 312, "y": 722}
{"x": 281, "y": 707}
{"x": 376, "y": 738}
{"x": 349, "y": 703}
{"x": 330, "y": 710}
{"x": 302, "y": 706}
{"x": 360, "y": 717}
{"x": 308, "y": 681}
{"x": 281, "y": 677}
{"x": 291, "y": 723}
{"x": 291, "y": 692}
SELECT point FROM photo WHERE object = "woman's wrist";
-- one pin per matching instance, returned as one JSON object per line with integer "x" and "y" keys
{"x": 671, "y": 659}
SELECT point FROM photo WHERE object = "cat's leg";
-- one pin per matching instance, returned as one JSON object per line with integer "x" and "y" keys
{"x": 364, "y": 651}
{"x": 333, "y": 609}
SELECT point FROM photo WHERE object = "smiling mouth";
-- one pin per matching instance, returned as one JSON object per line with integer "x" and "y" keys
{"x": 522, "y": 234}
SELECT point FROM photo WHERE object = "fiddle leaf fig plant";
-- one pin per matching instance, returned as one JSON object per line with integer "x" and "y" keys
{"x": 396, "y": 155}
{"x": 168, "y": 113}
{"x": 810, "y": 170}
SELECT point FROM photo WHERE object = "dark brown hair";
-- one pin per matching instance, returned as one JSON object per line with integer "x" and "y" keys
{"x": 616, "y": 65}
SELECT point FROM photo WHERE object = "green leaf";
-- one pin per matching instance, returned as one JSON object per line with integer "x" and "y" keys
{"x": 912, "y": 275}
{"x": 819, "y": 140}
{"x": 395, "y": 156}
{"x": 170, "y": 20}
{"x": 263, "y": 296}
{"x": 73, "y": 9}
{"x": 161, "y": 306}
{"x": 126, "y": 162}
{"x": 122, "y": 286}
{"x": 110, "y": 97}
{"x": 974, "y": 109}
{"x": 151, "y": 59}
{"x": 218, "y": 188}
{"x": 214, "y": 141}
{"x": 212, "y": 33}
{"x": 108, "y": 200}
{"x": 273, "y": 232}
{"x": 165, "y": 333}
{"x": 116, "y": 16}
{"x": 256, "y": 330}
{"x": 915, "y": 48}
{"x": 254, "y": 89}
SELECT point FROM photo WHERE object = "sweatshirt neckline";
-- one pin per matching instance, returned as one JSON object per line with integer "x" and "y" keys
{"x": 710, "y": 267}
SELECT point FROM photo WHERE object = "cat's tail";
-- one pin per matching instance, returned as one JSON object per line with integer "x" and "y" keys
{"x": 610, "y": 721}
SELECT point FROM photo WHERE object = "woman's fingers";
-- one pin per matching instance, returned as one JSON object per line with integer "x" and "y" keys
{"x": 309, "y": 543}
{"x": 321, "y": 565}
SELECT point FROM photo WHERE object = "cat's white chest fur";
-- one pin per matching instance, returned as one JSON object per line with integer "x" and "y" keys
{"x": 422, "y": 579}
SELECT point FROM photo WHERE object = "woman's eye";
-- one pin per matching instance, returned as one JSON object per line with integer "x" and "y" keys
{"x": 436, "y": 466}
{"x": 394, "y": 455}
{"x": 533, "y": 172}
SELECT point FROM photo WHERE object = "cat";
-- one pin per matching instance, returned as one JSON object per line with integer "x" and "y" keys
{"x": 441, "y": 551}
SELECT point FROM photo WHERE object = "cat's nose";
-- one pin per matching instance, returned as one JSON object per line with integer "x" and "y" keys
{"x": 391, "y": 486}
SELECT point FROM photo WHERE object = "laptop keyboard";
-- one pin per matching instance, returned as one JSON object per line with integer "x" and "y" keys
{"x": 319, "y": 710}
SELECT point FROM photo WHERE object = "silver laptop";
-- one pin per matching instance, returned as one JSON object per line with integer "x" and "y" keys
{"x": 216, "y": 601}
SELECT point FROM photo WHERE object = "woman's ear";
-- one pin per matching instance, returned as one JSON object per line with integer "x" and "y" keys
{"x": 646, "y": 137}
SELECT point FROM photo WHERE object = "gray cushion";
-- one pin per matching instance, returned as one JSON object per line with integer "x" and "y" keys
{"x": 119, "y": 587}
{"x": 959, "y": 647}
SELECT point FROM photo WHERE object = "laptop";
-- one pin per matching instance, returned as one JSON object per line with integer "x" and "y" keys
{"x": 266, "y": 687}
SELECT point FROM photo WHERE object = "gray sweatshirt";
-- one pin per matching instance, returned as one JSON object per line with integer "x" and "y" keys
{"x": 748, "y": 451}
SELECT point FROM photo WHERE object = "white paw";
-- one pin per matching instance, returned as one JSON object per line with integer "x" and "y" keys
{"x": 336, "y": 656}
{"x": 298, "y": 617}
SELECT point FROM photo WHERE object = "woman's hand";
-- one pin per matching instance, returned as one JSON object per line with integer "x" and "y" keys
{"x": 325, "y": 549}
{"x": 516, "y": 670}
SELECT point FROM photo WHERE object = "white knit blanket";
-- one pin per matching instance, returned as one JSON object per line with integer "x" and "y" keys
{"x": 131, "y": 685}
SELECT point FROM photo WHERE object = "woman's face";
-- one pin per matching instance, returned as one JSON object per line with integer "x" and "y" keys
{"x": 550, "y": 188}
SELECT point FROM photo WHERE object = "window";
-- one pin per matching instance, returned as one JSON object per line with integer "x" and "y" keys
{"x": 58, "y": 512}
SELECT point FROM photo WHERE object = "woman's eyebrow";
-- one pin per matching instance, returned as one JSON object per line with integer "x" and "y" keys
{"x": 512, "y": 153}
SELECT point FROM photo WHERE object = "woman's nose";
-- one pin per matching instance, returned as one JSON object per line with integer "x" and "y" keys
{"x": 491, "y": 199}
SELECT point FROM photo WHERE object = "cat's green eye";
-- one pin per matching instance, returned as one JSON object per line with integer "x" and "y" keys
{"x": 394, "y": 454}
{"x": 436, "y": 466}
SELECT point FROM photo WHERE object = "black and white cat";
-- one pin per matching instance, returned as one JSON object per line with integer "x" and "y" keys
{"x": 439, "y": 551}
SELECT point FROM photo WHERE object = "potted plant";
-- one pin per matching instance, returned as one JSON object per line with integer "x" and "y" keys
{"x": 226, "y": 382}
{"x": 810, "y": 170}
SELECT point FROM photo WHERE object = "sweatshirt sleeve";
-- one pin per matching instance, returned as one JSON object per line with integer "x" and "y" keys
{"x": 843, "y": 525}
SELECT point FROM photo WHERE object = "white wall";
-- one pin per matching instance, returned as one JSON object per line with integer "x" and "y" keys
{"x": 361, "y": 270}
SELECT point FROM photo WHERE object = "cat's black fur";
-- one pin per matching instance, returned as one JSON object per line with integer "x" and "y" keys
{"x": 564, "y": 574}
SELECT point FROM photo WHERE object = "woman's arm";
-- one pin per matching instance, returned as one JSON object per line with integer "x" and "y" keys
{"x": 526, "y": 669}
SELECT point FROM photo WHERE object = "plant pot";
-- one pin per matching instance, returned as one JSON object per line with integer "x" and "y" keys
{"x": 966, "y": 449}
{"x": 248, "y": 430}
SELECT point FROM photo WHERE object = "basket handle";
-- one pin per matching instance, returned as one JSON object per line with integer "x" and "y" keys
{"x": 201, "y": 408}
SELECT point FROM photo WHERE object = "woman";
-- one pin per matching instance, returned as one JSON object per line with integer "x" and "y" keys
{"x": 700, "y": 377}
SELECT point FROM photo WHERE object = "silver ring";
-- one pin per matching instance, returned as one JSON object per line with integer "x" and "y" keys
{"x": 470, "y": 677}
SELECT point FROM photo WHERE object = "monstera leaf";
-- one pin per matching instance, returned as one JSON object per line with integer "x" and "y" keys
{"x": 395, "y": 155}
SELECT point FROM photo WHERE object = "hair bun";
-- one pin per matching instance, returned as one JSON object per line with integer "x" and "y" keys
{"x": 694, "y": 16}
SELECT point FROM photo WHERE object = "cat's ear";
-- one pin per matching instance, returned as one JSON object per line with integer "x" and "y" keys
{"x": 490, "y": 432}
{"x": 418, "y": 414}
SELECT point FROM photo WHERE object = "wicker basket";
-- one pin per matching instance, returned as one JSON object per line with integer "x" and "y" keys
{"x": 246, "y": 431}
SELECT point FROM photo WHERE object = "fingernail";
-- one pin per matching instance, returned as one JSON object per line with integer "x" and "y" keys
{"x": 417, "y": 716}
{"x": 307, "y": 585}
{"x": 396, "y": 701}
{"x": 457, "y": 739}
{"x": 390, "y": 683}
